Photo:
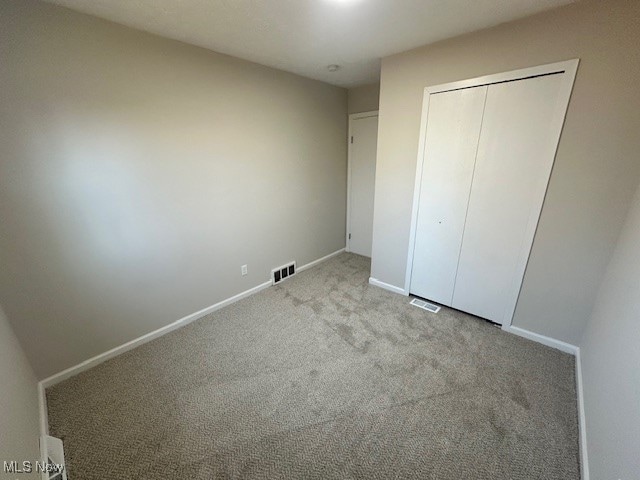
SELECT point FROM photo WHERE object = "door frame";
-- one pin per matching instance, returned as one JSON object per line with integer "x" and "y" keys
{"x": 568, "y": 67}
{"x": 352, "y": 117}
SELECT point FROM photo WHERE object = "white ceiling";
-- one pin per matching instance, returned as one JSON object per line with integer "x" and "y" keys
{"x": 305, "y": 36}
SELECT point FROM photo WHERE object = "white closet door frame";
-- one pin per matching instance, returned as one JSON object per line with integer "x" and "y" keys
{"x": 569, "y": 69}
{"x": 352, "y": 117}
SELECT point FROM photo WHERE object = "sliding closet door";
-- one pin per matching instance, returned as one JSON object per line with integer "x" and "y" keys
{"x": 453, "y": 128}
{"x": 512, "y": 169}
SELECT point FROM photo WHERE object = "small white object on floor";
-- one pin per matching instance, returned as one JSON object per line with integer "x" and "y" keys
{"x": 52, "y": 452}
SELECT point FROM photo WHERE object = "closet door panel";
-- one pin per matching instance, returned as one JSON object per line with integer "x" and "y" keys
{"x": 513, "y": 165}
{"x": 453, "y": 129}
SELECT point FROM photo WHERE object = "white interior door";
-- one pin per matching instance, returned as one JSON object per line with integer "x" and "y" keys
{"x": 513, "y": 164}
{"x": 362, "y": 173}
{"x": 454, "y": 120}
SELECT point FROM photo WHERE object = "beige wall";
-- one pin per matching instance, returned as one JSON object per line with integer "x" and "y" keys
{"x": 139, "y": 174}
{"x": 364, "y": 98}
{"x": 610, "y": 360}
{"x": 19, "y": 425}
{"x": 597, "y": 165}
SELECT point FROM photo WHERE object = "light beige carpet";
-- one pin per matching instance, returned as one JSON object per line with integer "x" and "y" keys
{"x": 324, "y": 377}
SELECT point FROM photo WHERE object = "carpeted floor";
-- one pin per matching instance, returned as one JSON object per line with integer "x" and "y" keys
{"x": 324, "y": 377}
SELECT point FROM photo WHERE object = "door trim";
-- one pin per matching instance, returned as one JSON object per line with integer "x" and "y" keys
{"x": 569, "y": 67}
{"x": 352, "y": 117}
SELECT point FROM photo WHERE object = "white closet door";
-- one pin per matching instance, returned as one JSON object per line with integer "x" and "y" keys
{"x": 453, "y": 128}
{"x": 512, "y": 170}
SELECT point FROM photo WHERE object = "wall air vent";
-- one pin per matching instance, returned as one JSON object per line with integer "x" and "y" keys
{"x": 285, "y": 271}
{"x": 430, "y": 307}
{"x": 52, "y": 463}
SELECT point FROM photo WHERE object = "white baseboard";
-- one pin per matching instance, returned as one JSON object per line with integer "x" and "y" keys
{"x": 87, "y": 364}
{"x": 103, "y": 357}
{"x": 386, "y": 286}
{"x": 320, "y": 260}
{"x": 582, "y": 422}
{"x": 536, "y": 337}
{"x": 42, "y": 407}
{"x": 574, "y": 350}
{"x": 92, "y": 362}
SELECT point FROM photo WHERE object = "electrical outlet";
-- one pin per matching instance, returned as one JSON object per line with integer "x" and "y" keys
{"x": 243, "y": 270}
